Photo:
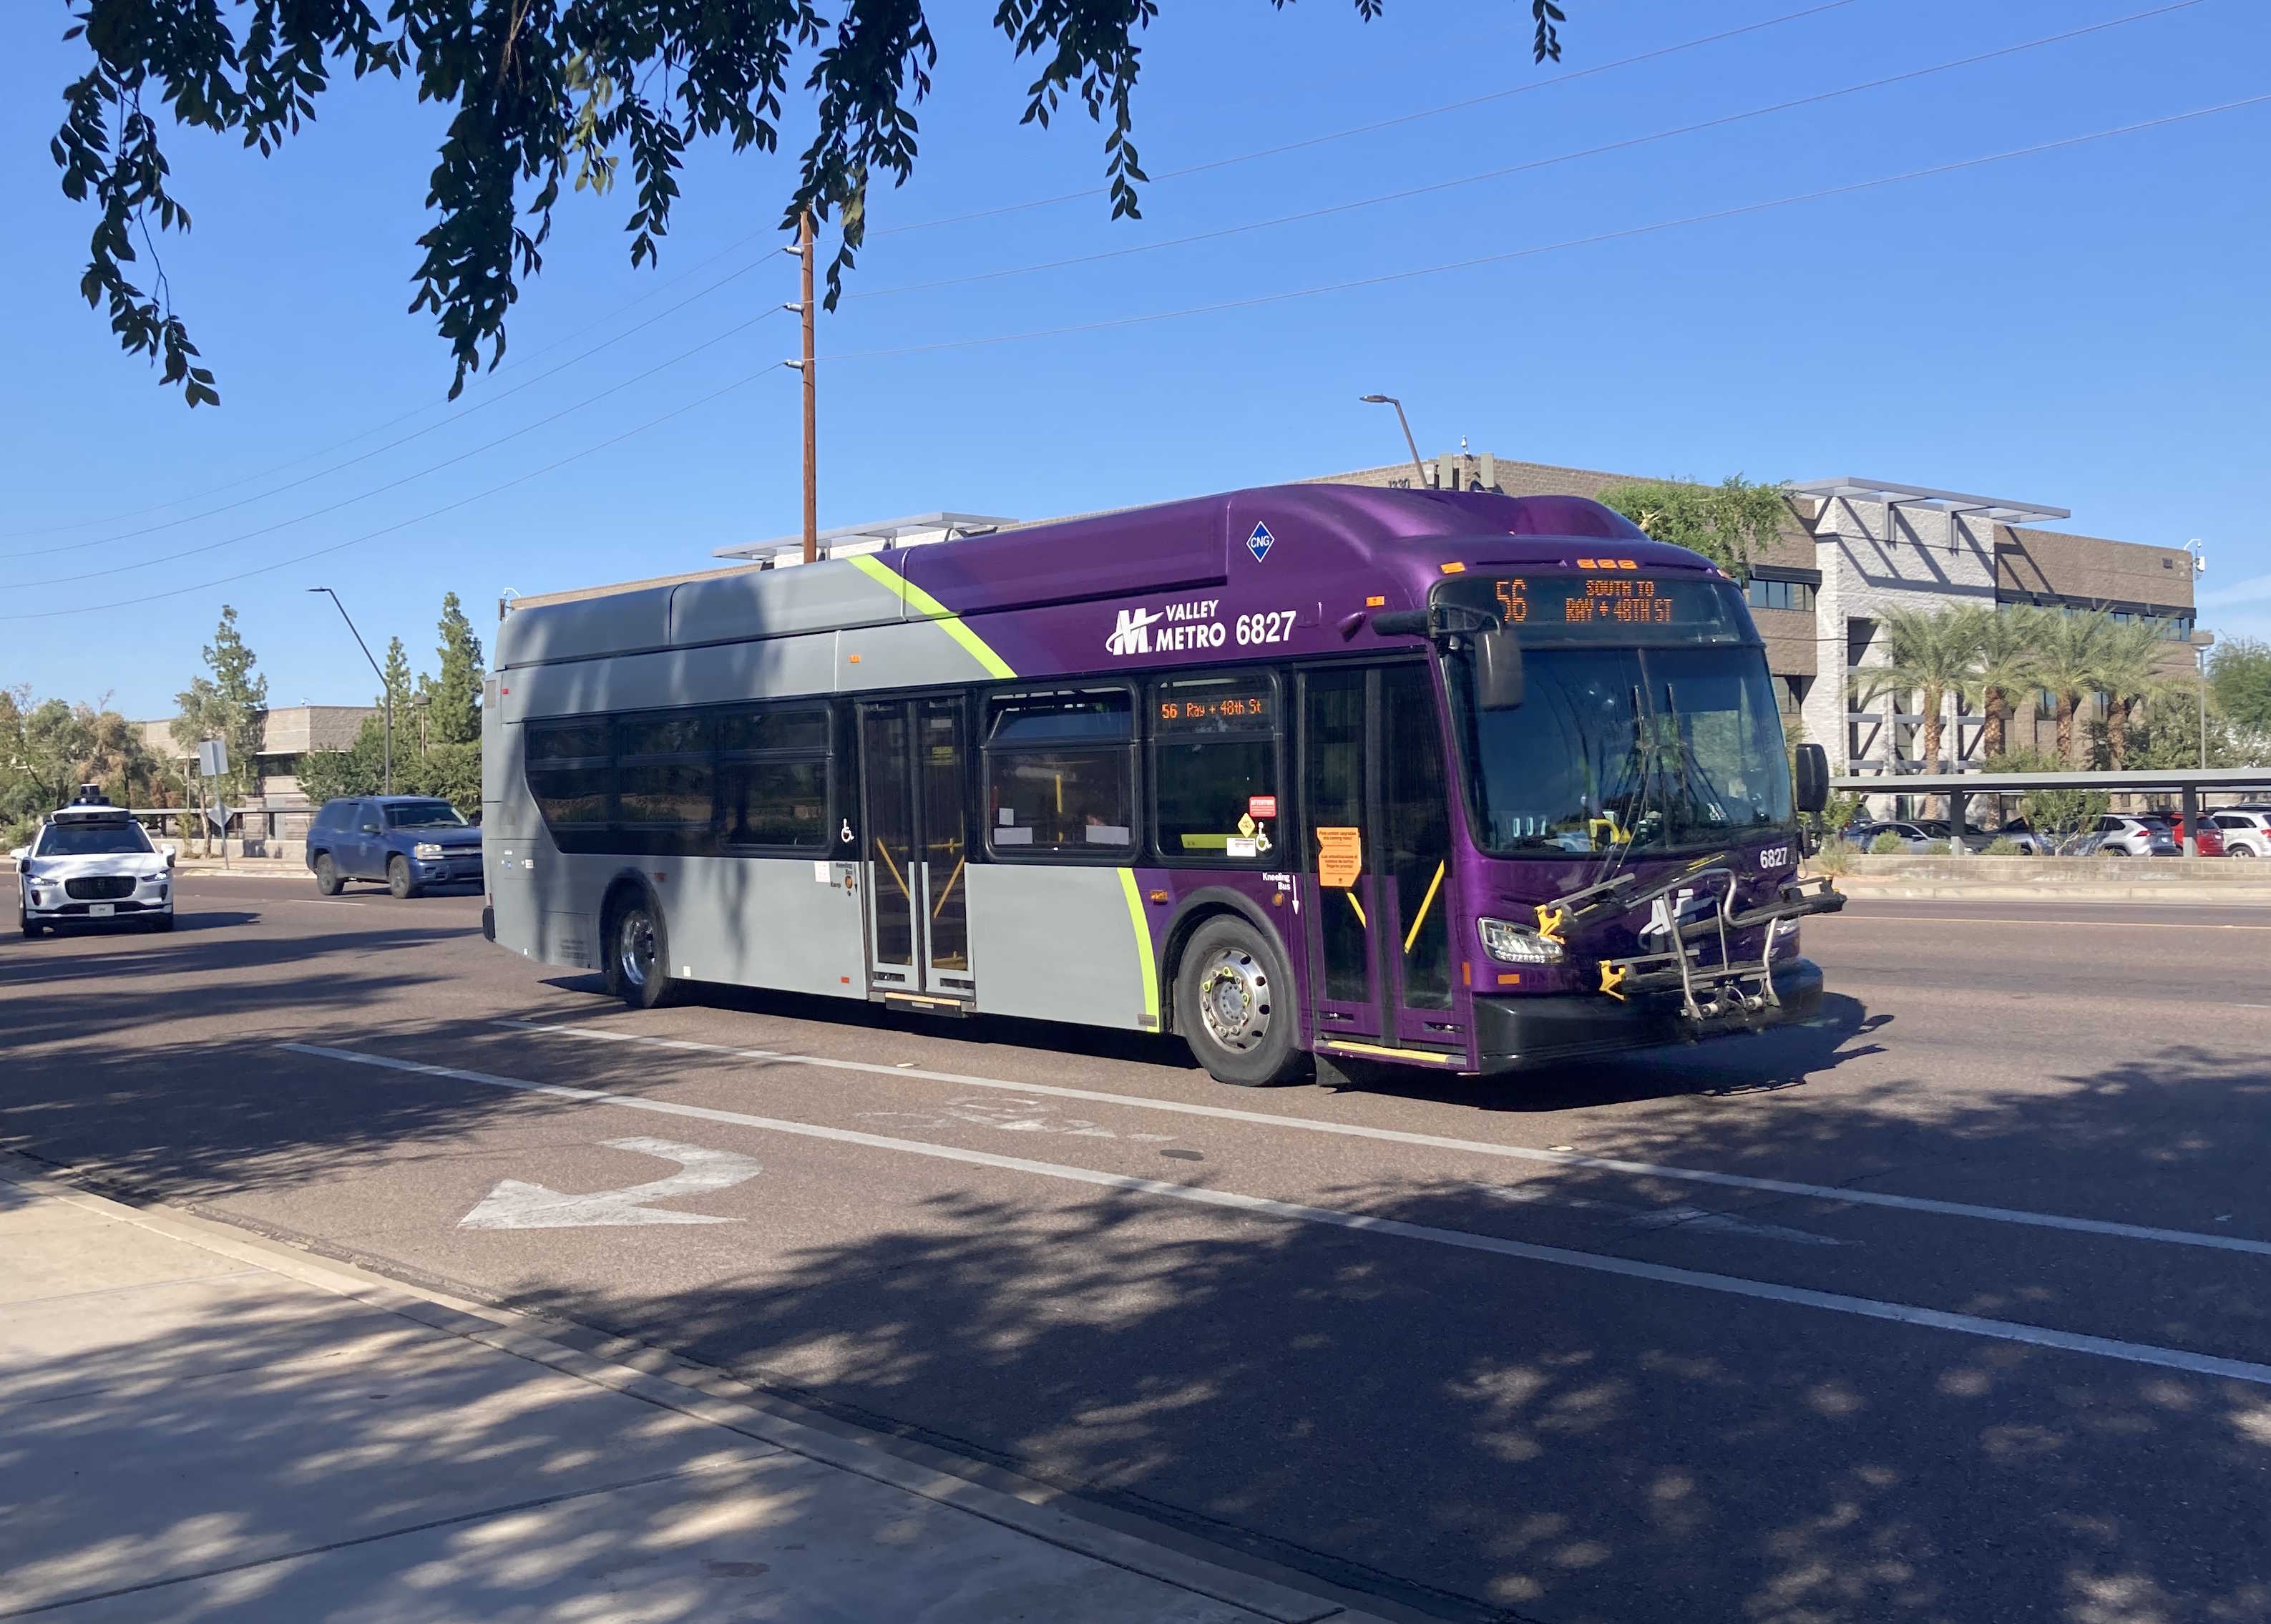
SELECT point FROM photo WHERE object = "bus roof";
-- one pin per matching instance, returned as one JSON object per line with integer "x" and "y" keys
{"x": 1341, "y": 543}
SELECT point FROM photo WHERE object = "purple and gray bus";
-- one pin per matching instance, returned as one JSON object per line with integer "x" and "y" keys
{"x": 1465, "y": 782}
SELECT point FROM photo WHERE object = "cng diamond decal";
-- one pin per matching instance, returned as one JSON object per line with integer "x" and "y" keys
{"x": 1259, "y": 542}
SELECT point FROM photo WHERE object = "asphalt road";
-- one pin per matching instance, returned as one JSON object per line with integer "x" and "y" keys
{"x": 1953, "y": 1305}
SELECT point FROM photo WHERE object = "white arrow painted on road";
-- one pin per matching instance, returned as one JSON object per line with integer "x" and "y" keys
{"x": 514, "y": 1204}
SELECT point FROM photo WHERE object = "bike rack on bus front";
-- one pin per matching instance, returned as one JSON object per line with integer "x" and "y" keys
{"x": 1729, "y": 987}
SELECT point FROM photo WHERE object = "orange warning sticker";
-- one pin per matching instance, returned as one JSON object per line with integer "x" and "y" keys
{"x": 1340, "y": 857}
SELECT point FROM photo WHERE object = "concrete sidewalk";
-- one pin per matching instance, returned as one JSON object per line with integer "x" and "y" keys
{"x": 197, "y": 1424}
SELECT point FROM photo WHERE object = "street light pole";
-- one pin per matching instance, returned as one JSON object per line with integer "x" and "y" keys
{"x": 2199, "y": 550}
{"x": 1419, "y": 474}
{"x": 386, "y": 771}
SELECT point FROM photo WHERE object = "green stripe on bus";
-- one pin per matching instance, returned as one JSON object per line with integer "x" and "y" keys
{"x": 923, "y": 603}
{"x": 1143, "y": 948}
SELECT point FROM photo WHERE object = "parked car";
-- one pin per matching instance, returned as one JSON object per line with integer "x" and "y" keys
{"x": 2211, "y": 838}
{"x": 1865, "y": 834}
{"x": 407, "y": 842}
{"x": 2245, "y": 833}
{"x": 91, "y": 863}
{"x": 2023, "y": 835}
{"x": 2118, "y": 835}
{"x": 1941, "y": 829}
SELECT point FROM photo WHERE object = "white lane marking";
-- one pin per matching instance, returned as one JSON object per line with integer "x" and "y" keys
{"x": 1631, "y": 1269}
{"x": 1514, "y": 1152}
{"x": 513, "y": 1204}
{"x": 1659, "y": 1218}
{"x": 1020, "y": 1116}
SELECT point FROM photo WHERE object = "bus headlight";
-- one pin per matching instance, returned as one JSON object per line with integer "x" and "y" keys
{"x": 1517, "y": 944}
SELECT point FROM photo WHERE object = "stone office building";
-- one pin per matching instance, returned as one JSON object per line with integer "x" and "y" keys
{"x": 1852, "y": 548}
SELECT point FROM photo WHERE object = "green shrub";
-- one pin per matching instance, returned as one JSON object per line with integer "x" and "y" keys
{"x": 1835, "y": 858}
{"x": 2003, "y": 845}
{"x": 1887, "y": 845}
{"x": 1936, "y": 848}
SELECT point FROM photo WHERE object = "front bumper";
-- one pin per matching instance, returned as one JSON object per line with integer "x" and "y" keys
{"x": 447, "y": 871}
{"x": 1516, "y": 1034}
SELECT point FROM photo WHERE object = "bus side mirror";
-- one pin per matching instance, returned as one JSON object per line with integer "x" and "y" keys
{"x": 1498, "y": 670}
{"x": 1811, "y": 773}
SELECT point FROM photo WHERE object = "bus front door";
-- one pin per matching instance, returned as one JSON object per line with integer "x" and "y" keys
{"x": 1375, "y": 893}
{"x": 912, "y": 772}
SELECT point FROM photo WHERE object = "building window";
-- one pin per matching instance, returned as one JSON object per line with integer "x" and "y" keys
{"x": 1061, "y": 773}
{"x": 1766, "y": 594}
{"x": 1214, "y": 766}
{"x": 2046, "y": 703}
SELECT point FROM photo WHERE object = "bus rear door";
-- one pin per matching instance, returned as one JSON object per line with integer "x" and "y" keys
{"x": 914, "y": 755}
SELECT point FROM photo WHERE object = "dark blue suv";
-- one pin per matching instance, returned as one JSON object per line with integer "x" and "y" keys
{"x": 407, "y": 841}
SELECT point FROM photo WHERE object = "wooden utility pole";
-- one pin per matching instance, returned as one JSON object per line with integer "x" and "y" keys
{"x": 811, "y": 395}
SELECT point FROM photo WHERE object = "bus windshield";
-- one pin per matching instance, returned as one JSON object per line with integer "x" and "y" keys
{"x": 1655, "y": 749}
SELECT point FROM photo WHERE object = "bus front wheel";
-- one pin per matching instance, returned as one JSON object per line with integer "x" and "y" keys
{"x": 638, "y": 953}
{"x": 1235, "y": 1007}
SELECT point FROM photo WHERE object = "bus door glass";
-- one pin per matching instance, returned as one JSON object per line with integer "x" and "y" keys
{"x": 941, "y": 726}
{"x": 1377, "y": 889}
{"x": 890, "y": 861}
{"x": 1338, "y": 894}
{"x": 912, "y": 755}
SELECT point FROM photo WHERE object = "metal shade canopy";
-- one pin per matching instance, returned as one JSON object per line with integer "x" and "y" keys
{"x": 955, "y": 525}
{"x": 2001, "y": 509}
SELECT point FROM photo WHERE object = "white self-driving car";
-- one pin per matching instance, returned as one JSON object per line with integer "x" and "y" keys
{"x": 92, "y": 864}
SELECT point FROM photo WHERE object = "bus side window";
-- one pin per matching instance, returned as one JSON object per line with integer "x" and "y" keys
{"x": 772, "y": 778}
{"x": 570, "y": 773}
{"x": 1215, "y": 768}
{"x": 1061, "y": 774}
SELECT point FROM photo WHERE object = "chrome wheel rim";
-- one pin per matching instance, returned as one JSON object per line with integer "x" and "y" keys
{"x": 635, "y": 950}
{"x": 1234, "y": 1001}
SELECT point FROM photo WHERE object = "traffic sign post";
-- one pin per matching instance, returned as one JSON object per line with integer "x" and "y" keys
{"x": 212, "y": 763}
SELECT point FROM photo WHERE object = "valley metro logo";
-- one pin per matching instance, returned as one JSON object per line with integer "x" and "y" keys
{"x": 1131, "y": 633}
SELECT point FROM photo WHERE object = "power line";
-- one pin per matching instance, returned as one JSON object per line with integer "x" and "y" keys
{"x": 1548, "y": 248}
{"x": 569, "y": 337}
{"x": 1524, "y": 167}
{"x": 228, "y": 507}
{"x": 372, "y": 535}
{"x": 1382, "y": 123}
{"x": 300, "y": 518}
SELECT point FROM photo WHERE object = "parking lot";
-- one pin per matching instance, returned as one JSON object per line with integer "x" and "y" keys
{"x": 1950, "y": 1304}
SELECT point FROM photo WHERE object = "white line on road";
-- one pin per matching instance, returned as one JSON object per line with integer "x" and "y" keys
{"x": 1517, "y": 1153}
{"x": 514, "y": 1204}
{"x": 1833, "y": 1302}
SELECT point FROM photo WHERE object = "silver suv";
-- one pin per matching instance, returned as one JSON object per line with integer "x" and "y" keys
{"x": 2245, "y": 833}
{"x": 2117, "y": 836}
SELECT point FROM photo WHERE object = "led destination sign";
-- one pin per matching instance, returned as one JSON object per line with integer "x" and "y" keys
{"x": 1698, "y": 609}
{"x": 1200, "y": 712}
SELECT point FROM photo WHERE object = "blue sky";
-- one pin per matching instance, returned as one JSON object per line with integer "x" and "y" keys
{"x": 2084, "y": 327}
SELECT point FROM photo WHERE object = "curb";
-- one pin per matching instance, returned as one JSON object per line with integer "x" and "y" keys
{"x": 2172, "y": 895}
{"x": 670, "y": 1383}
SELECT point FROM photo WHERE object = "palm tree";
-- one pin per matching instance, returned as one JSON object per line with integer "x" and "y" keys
{"x": 2003, "y": 663}
{"x": 1930, "y": 653}
{"x": 2070, "y": 651}
{"x": 2129, "y": 672}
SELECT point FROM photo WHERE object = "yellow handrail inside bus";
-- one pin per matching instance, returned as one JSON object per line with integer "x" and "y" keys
{"x": 1426, "y": 903}
{"x": 884, "y": 851}
{"x": 1358, "y": 906}
{"x": 946, "y": 890}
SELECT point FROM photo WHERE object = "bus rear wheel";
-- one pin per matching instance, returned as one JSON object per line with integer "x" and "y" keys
{"x": 637, "y": 954}
{"x": 1235, "y": 1007}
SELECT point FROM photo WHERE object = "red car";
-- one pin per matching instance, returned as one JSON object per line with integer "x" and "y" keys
{"x": 2211, "y": 838}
